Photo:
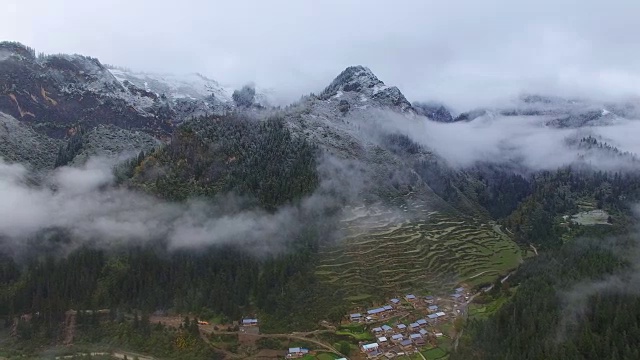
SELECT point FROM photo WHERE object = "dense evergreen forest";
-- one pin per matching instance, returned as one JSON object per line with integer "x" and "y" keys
{"x": 262, "y": 162}
{"x": 578, "y": 298}
{"x": 563, "y": 310}
{"x": 268, "y": 167}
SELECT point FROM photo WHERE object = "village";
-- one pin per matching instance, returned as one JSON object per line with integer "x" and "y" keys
{"x": 409, "y": 324}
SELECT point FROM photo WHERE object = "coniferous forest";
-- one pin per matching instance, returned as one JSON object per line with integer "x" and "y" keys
{"x": 268, "y": 167}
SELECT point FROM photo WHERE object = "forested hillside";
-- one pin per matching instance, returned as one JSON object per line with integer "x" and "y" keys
{"x": 563, "y": 309}
{"x": 576, "y": 300}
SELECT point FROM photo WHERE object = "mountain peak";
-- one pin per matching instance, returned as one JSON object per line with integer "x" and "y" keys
{"x": 360, "y": 79}
{"x": 354, "y": 78}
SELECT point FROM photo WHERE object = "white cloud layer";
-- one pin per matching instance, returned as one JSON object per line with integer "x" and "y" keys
{"x": 463, "y": 52}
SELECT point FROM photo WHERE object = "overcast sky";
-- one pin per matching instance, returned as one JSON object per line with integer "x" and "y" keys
{"x": 463, "y": 52}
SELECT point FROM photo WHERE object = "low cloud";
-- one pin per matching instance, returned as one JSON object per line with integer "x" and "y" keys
{"x": 575, "y": 300}
{"x": 525, "y": 141}
{"x": 84, "y": 204}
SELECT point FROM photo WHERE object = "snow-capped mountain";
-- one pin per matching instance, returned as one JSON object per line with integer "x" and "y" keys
{"x": 190, "y": 94}
{"x": 561, "y": 112}
{"x": 361, "y": 82}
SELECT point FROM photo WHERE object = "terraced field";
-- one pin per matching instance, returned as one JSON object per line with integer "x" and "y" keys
{"x": 389, "y": 252}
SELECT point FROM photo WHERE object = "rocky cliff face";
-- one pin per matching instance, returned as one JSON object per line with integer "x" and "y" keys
{"x": 55, "y": 94}
{"x": 360, "y": 81}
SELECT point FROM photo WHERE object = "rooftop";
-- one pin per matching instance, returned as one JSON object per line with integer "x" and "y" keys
{"x": 382, "y": 339}
{"x": 371, "y": 346}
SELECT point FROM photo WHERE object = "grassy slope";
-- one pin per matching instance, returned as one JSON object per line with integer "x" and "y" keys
{"x": 385, "y": 254}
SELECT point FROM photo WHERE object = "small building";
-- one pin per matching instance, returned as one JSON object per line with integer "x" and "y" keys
{"x": 382, "y": 340}
{"x": 457, "y": 297}
{"x": 401, "y": 327}
{"x": 423, "y": 332}
{"x": 396, "y": 337}
{"x": 433, "y": 308}
{"x": 406, "y": 344}
{"x": 387, "y": 307}
{"x": 249, "y": 322}
{"x": 376, "y": 330}
{"x": 368, "y": 348}
{"x": 375, "y": 311}
{"x": 421, "y": 322}
{"x": 432, "y": 318}
{"x": 297, "y": 352}
{"x": 386, "y": 328}
{"x": 460, "y": 290}
{"x": 355, "y": 317}
{"x": 410, "y": 297}
{"x": 440, "y": 314}
{"x": 439, "y": 334}
{"x": 429, "y": 299}
{"x": 395, "y": 301}
{"x": 414, "y": 326}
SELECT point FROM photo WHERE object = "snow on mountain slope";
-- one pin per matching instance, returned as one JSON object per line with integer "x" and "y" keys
{"x": 194, "y": 86}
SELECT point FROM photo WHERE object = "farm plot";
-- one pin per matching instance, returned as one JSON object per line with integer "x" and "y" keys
{"x": 385, "y": 254}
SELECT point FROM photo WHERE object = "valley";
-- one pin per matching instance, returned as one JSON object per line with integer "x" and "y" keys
{"x": 194, "y": 221}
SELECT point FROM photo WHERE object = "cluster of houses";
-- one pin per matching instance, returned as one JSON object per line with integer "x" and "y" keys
{"x": 459, "y": 295}
{"x": 400, "y": 338}
{"x": 405, "y": 338}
